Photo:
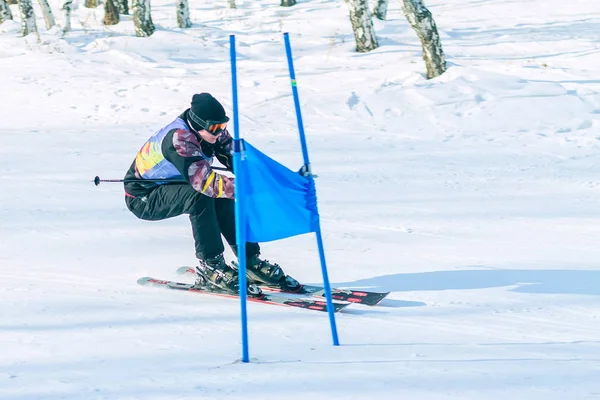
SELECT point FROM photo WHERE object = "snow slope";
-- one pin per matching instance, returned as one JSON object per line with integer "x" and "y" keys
{"x": 473, "y": 197}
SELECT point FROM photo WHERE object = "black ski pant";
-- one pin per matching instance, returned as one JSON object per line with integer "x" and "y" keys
{"x": 210, "y": 217}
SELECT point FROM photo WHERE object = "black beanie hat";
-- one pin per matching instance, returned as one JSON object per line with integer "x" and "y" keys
{"x": 206, "y": 107}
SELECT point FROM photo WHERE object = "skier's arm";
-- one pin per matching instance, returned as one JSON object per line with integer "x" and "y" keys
{"x": 184, "y": 151}
{"x": 208, "y": 182}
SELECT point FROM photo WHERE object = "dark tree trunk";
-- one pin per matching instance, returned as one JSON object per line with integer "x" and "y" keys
{"x": 183, "y": 14}
{"x": 66, "y": 9}
{"x": 380, "y": 9}
{"x": 142, "y": 18}
{"x": 123, "y": 7}
{"x": 28, "y": 24}
{"x": 5, "y": 13}
{"x": 111, "y": 12}
{"x": 47, "y": 12}
{"x": 422, "y": 22}
{"x": 362, "y": 25}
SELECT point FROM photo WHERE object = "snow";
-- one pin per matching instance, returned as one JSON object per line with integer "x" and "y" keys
{"x": 472, "y": 197}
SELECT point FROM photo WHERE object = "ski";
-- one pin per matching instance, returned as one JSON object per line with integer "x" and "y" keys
{"x": 350, "y": 295}
{"x": 280, "y": 300}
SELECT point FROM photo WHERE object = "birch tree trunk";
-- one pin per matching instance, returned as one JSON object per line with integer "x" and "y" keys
{"x": 142, "y": 18}
{"x": 362, "y": 25}
{"x": 66, "y": 9}
{"x": 28, "y": 24}
{"x": 47, "y": 11}
{"x": 111, "y": 12}
{"x": 422, "y": 22}
{"x": 91, "y": 3}
{"x": 380, "y": 9}
{"x": 288, "y": 3}
{"x": 5, "y": 13}
{"x": 123, "y": 7}
{"x": 231, "y": 4}
{"x": 183, "y": 14}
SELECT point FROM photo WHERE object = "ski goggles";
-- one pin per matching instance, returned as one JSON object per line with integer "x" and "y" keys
{"x": 213, "y": 127}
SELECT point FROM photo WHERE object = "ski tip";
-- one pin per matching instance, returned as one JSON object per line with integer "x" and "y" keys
{"x": 379, "y": 299}
{"x": 148, "y": 281}
{"x": 144, "y": 280}
{"x": 185, "y": 270}
{"x": 372, "y": 300}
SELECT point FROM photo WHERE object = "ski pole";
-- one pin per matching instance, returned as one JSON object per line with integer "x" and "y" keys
{"x": 97, "y": 179}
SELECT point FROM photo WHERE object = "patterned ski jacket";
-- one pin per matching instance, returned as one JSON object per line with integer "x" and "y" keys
{"x": 175, "y": 153}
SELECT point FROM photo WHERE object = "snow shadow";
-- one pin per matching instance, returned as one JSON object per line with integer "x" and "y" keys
{"x": 578, "y": 282}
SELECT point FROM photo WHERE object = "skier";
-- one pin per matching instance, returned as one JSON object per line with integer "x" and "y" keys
{"x": 181, "y": 154}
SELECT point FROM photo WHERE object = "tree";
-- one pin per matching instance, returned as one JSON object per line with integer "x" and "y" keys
{"x": 422, "y": 22}
{"x": 5, "y": 13}
{"x": 288, "y": 3}
{"x": 66, "y": 9}
{"x": 28, "y": 24}
{"x": 380, "y": 9}
{"x": 123, "y": 7}
{"x": 183, "y": 14}
{"x": 142, "y": 18}
{"x": 362, "y": 25}
{"x": 90, "y": 3}
{"x": 47, "y": 11}
{"x": 111, "y": 12}
{"x": 231, "y": 4}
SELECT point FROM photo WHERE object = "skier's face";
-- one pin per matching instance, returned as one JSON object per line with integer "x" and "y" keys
{"x": 209, "y": 137}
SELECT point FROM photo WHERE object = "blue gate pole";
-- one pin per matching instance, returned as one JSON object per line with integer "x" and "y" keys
{"x": 326, "y": 285}
{"x": 240, "y": 231}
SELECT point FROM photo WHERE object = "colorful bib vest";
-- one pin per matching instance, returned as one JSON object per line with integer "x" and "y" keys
{"x": 150, "y": 162}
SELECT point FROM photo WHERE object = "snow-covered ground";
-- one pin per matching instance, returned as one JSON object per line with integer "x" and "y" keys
{"x": 474, "y": 198}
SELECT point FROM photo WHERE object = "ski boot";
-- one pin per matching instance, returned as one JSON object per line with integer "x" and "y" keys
{"x": 262, "y": 272}
{"x": 214, "y": 274}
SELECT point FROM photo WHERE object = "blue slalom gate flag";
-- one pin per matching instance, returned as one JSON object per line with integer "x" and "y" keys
{"x": 278, "y": 202}
{"x": 271, "y": 201}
